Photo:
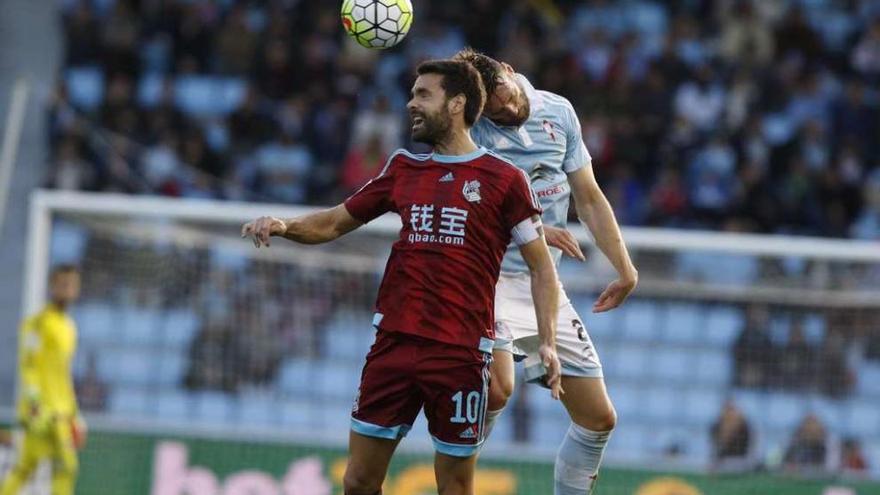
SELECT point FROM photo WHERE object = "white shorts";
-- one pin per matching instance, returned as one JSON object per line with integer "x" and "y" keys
{"x": 516, "y": 330}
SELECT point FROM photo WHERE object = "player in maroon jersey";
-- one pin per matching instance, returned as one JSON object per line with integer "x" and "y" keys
{"x": 460, "y": 207}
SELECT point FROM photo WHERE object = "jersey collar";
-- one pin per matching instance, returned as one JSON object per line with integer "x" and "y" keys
{"x": 480, "y": 151}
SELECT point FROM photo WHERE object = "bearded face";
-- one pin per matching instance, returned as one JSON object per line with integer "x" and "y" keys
{"x": 431, "y": 127}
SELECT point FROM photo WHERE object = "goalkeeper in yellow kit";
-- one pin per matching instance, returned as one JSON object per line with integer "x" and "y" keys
{"x": 47, "y": 408}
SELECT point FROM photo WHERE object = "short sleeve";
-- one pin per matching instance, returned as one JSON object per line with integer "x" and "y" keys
{"x": 576, "y": 154}
{"x": 373, "y": 198}
{"x": 520, "y": 202}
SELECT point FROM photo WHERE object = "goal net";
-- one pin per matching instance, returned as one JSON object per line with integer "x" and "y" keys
{"x": 207, "y": 366}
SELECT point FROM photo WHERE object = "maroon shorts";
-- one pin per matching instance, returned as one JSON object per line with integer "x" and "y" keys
{"x": 404, "y": 373}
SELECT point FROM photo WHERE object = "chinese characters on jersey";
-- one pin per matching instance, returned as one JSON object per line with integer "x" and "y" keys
{"x": 449, "y": 230}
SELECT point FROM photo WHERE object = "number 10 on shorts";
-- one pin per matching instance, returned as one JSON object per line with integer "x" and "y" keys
{"x": 470, "y": 405}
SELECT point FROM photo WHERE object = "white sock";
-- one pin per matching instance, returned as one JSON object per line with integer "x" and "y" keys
{"x": 491, "y": 417}
{"x": 578, "y": 459}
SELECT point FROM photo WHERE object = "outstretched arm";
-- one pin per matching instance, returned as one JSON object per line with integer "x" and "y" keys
{"x": 545, "y": 294}
{"x": 596, "y": 214}
{"x": 314, "y": 228}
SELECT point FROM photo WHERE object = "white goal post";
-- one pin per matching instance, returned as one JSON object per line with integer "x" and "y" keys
{"x": 44, "y": 202}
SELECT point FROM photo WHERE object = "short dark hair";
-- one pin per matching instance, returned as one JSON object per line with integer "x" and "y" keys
{"x": 63, "y": 269}
{"x": 489, "y": 68}
{"x": 459, "y": 78}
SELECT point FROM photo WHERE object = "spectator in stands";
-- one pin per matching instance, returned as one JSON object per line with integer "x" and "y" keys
{"x": 69, "y": 170}
{"x": 282, "y": 170}
{"x": 797, "y": 360}
{"x": 754, "y": 353}
{"x": 739, "y": 82}
{"x": 809, "y": 446}
{"x": 363, "y": 163}
{"x": 852, "y": 460}
{"x": 91, "y": 390}
{"x": 731, "y": 436}
{"x": 212, "y": 358}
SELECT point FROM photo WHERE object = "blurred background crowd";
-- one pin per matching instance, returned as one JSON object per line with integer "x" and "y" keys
{"x": 735, "y": 115}
{"x": 731, "y": 114}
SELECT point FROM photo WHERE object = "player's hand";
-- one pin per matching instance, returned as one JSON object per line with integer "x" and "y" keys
{"x": 553, "y": 374}
{"x": 79, "y": 432}
{"x": 261, "y": 229}
{"x": 614, "y": 295}
{"x": 564, "y": 240}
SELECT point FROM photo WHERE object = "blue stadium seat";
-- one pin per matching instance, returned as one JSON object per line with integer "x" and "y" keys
{"x": 150, "y": 88}
{"x": 862, "y": 418}
{"x": 348, "y": 335}
{"x": 548, "y": 431}
{"x": 629, "y": 443}
{"x": 204, "y": 96}
{"x": 702, "y": 406}
{"x": 129, "y": 402}
{"x": 121, "y": 366}
{"x": 68, "y": 242}
{"x": 640, "y": 320}
{"x": 714, "y": 367}
{"x": 174, "y": 405}
{"x": 627, "y": 399}
{"x": 85, "y": 86}
{"x": 295, "y": 377}
{"x": 335, "y": 379}
{"x": 784, "y": 411}
{"x": 257, "y": 409}
{"x": 673, "y": 365}
{"x": 723, "y": 325}
{"x": 814, "y": 328}
{"x": 868, "y": 380}
{"x": 752, "y": 403}
{"x": 301, "y": 415}
{"x": 171, "y": 368}
{"x": 141, "y": 326}
{"x": 214, "y": 407}
{"x": 180, "y": 326}
{"x": 629, "y": 361}
{"x": 682, "y": 323}
{"x": 602, "y": 327}
{"x": 196, "y": 95}
{"x": 96, "y": 322}
{"x": 232, "y": 92}
{"x": 662, "y": 404}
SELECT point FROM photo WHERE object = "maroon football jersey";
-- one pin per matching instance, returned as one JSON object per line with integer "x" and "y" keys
{"x": 457, "y": 214}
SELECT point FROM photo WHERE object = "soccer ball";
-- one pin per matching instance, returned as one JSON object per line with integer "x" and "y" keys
{"x": 377, "y": 24}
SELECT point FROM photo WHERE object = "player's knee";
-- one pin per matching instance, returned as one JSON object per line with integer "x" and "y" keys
{"x": 606, "y": 420}
{"x": 359, "y": 481}
{"x": 500, "y": 392}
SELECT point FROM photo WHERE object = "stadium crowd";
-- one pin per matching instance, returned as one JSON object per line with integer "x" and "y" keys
{"x": 736, "y": 115}
{"x": 730, "y": 114}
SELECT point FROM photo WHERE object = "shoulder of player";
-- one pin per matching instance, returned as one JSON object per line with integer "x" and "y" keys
{"x": 503, "y": 166}
{"x": 558, "y": 105}
{"x": 402, "y": 156}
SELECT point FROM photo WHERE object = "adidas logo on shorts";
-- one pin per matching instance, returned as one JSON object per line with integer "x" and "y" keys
{"x": 470, "y": 432}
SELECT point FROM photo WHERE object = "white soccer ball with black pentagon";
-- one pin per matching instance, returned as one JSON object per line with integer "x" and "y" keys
{"x": 377, "y": 24}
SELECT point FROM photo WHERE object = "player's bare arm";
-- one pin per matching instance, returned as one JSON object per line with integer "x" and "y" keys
{"x": 314, "y": 228}
{"x": 595, "y": 212}
{"x": 545, "y": 293}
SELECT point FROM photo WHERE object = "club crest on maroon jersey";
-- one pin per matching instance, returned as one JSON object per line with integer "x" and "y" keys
{"x": 471, "y": 191}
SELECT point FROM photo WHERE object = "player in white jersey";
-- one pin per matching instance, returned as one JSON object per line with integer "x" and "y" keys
{"x": 539, "y": 132}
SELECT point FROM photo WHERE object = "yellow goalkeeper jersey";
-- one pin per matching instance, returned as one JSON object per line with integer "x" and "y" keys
{"x": 47, "y": 344}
